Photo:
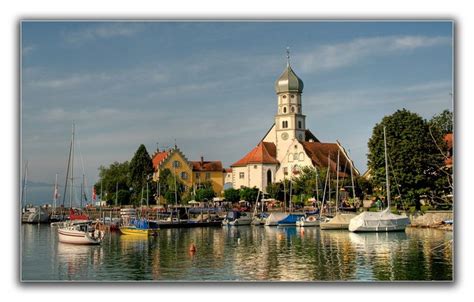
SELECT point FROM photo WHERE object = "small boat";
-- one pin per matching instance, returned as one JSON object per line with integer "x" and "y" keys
{"x": 290, "y": 219}
{"x": 339, "y": 222}
{"x": 309, "y": 221}
{"x": 83, "y": 232}
{"x": 274, "y": 217}
{"x": 35, "y": 215}
{"x": 259, "y": 219}
{"x": 383, "y": 221}
{"x": 140, "y": 227}
{"x": 235, "y": 218}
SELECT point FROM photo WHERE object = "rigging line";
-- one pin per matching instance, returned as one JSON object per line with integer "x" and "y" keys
{"x": 83, "y": 170}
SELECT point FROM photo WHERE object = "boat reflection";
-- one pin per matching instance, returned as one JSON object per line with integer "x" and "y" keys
{"x": 76, "y": 261}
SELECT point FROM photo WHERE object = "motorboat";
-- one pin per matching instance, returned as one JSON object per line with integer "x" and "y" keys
{"x": 236, "y": 218}
{"x": 35, "y": 215}
{"x": 140, "y": 227}
{"x": 83, "y": 232}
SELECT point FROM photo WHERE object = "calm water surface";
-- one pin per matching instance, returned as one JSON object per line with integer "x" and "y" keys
{"x": 245, "y": 253}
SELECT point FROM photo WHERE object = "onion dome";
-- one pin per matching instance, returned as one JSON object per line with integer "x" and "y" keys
{"x": 289, "y": 82}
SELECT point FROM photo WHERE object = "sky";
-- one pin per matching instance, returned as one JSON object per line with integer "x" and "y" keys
{"x": 209, "y": 86}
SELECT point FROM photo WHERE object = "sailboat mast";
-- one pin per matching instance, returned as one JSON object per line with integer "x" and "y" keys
{"x": 25, "y": 180}
{"x": 316, "y": 179}
{"x": 337, "y": 181}
{"x": 55, "y": 197}
{"x": 386, "y": 168}
{"x": 352, "y": 181}
{"x": 71, "y": 192}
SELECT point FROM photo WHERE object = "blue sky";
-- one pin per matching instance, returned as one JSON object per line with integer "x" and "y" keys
{"x": 210, "y": 85}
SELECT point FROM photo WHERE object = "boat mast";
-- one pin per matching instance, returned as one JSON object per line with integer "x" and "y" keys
{"x": 316, "y": 179}
{"x": 25, "y": 181}
{"x": 71, "y": 192}
{"x": 386, "y": 168}
{"x": 55, "y": 197}
{"x": 337, "y": 181}
{"x": 352, "y": 181}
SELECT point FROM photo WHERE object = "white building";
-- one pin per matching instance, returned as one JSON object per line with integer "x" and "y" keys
{"x": 288, "y": 145}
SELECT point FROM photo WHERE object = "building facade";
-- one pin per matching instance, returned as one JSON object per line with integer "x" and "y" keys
{"x": 288, "y": 145}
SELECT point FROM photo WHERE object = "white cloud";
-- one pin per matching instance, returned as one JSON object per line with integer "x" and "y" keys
{"x": 334, "y": 56}
{"x": 101, "y": 31}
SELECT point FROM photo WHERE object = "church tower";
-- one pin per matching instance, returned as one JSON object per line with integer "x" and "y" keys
{"x": 290, "y": 122}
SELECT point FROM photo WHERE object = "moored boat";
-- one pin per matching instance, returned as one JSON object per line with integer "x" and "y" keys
{"x": 140, "y": 227}
{"x": 80, "y": 233}
{"x": 309, "y": 221}
{"x": 290, "y": 219}
{"x": 236, "y": 218}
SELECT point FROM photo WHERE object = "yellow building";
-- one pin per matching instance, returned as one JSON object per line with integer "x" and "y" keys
{"x": 193, "y": 174}
{"x": 209, "y": 171}
{"x": 174, "y": 160}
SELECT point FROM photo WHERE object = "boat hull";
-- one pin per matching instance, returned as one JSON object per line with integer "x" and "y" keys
{"x": 333, "y": 226}
{"x": 135, "y": 231}
{"x": 76, "y": 237}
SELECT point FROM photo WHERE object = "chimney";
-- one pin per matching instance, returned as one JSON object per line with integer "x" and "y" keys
{"x": 202, "y": 160}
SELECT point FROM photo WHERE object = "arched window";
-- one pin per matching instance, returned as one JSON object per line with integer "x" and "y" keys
{"x": 299, "y": 125}
{"x": 284, "y": 124}
{"x": 292, "y": 109}
{"x": 269, "y": 177}
{"x": 284, "y": 109}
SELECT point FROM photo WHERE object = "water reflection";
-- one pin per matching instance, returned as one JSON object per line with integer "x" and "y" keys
{"x": 242, "y": 253}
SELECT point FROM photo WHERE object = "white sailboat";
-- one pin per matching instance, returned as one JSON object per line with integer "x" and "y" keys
{"x": 383, "y": 221}
{"x": 77, "y": 231}
{"x": 341, "y": 220}
{"x": 30, "y": 213}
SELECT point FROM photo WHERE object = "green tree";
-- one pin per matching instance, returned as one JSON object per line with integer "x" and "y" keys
{"x": 412, "y": 155}
{"x": 249, "y": 194}
{"x": 232, "y": 195}
{"x": 141, "y": 170}
{"x": 205, "y": 194}
{"x": 110, "y": 178}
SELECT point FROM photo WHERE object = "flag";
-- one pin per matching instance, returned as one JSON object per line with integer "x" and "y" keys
{"x": 94, "y": 196}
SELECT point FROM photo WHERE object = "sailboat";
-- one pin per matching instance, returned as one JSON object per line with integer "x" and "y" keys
{"x": 383, "y": 221}
{"x": 79, "y": 229}
{"x": 31, "y": 214}
{"x": 341, "y": 220}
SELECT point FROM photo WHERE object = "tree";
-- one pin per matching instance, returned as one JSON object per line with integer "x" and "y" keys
{"x": 249, "y": 194}
{"x": 232, "y": 195}
{"x": 439, "y": 126}
{"x": 141, "y": 170}
{"x": 205, "y": 194}
{"x": 412, "y": 155}
{"x": 110, "y": 178}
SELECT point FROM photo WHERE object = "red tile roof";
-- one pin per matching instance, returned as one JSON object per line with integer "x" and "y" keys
{"x": 208, "y": 166}
{"x": 319, "y": 152}
{"x": 159, "y": 157}
{"x": 263, "y": 153}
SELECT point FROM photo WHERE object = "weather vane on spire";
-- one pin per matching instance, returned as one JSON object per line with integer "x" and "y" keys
{"x": 288, "y": 55}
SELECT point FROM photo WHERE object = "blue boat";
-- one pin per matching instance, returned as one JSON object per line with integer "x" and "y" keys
{"x": 291, "y": 219}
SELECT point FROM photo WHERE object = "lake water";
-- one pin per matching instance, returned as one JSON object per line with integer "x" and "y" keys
{"x": 245, "y": 253}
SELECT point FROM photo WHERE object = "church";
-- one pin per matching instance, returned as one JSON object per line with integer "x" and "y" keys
{"x": 288, "y": 145}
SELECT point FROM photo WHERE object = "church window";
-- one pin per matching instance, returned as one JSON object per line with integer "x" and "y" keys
{"x": 292, "y": 96}
{"x": 284, "y": 96}
{"x": 299, "y": 125}
{"x": 284, "y": 109}
{"x": 284, "y": 124}
{"x": 292, "y": 109}
{"x": 241, "y": 175}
